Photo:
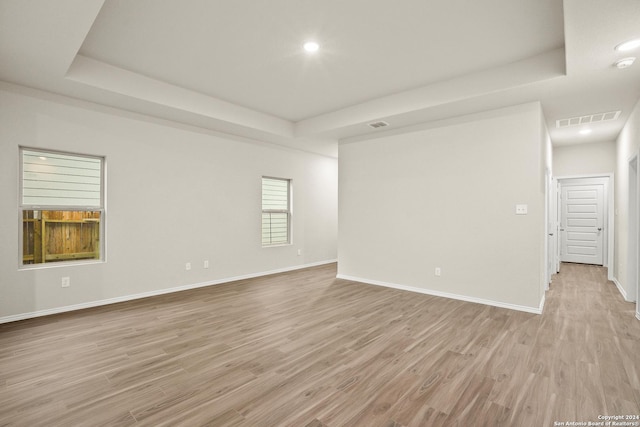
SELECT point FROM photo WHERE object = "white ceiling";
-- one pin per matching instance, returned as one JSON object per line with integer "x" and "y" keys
{"x": 237, "y": 66}
{"x": 250, "y": 52}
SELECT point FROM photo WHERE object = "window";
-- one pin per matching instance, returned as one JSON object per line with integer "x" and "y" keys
{"x": 276, "y": 211}
{"x": 61, "y": 207}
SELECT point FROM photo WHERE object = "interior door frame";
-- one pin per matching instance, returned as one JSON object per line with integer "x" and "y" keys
{"x": 551, "y": 266}
{"x": 608, "y": 252}
{"x": 633, "y": 247}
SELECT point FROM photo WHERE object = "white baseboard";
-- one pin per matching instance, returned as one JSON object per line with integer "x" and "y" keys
{"x": 47, "y": 312}
{"x": 447, "y": 295}
{"x": 638, "y": 315}
{"x": 620, "y": 289}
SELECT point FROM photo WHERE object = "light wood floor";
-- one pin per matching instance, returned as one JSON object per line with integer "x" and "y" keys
{"x": 305, "y": 349}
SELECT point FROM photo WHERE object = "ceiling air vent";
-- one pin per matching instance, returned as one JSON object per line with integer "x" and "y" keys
{"x": 593, "y": 118}
{"x": 377, "y": 125}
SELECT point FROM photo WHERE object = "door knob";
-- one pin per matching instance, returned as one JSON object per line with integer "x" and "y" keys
{"x": 599, "y": 228}
{"x": 550, "y": 234}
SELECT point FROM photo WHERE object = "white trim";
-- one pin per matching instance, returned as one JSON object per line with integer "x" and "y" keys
{"x": 81, "y": 306}
{"x": 620, "y": 289}
{"x": 447, "y": 295}
{"x": 633, "y": 244}
{"x": 638, "y": 315}
{"x": 548, "y": 180}
{"x": 595, "y": 175}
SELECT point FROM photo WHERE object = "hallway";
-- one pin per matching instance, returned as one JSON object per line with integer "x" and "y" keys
{"x": 592, "y": 340}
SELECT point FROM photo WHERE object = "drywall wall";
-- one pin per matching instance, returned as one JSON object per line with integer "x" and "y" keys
{"x": 626, "y": 147}
{"x": 174, "y": 195}
{"x": 584, "y": 159}
{"x": 445, "y": 198}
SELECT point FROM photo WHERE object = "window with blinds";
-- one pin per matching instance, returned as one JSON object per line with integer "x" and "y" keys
{"x": 276, "y": 211}
{"x": 62, "y": 206}
{"x": 62, "y": 180}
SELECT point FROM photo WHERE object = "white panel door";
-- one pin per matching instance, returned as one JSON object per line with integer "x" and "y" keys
{"x": 582, "y": 223}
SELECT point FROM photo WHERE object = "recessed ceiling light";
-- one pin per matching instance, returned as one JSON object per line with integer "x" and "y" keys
{"x": 311, "y": 47}
{"x": 628, "y": 45}
{"x": 624, "y": 62}
{"x": 585, "y": 131}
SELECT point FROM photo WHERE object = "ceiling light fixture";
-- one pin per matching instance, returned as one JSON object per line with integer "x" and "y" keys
{"x": 311, "y": 47}
{"x": 585, "y": 131}
{"x": 628, "y": 45}
{"x": 624, "y": 62}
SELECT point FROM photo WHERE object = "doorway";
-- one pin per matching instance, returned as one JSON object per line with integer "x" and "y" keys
{"x": 585, "y": 220}
{"x": 551, "y": 228}
{"x": 582, "y": 222}
{"x": 632, "y": 249}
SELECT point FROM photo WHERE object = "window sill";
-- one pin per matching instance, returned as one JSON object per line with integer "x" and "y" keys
{"x": 41, "y": 266}
{"x": 277, "y": 246}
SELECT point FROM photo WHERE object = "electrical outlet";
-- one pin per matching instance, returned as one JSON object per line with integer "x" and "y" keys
{"x": 206, "y": 263}
{"x": 187, "y": 266}
{"x": 299, "y": 252}
{"x": 66, "y": 282}
{"x": 438, "y": 271}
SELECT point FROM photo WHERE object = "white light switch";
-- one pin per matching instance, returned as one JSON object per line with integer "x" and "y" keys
{"x": 521, "y": 209}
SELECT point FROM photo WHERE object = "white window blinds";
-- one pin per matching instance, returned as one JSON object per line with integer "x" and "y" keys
{"x": 275, "y": 211}
{"x": 61, "y": 180}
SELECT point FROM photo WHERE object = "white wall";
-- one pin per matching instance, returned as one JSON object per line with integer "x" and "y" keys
{"x": 445, "y": 197}
{"x": 584, "y": 159}
{"x": 174, "y": 195}
{"x": 627, "y": 146}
